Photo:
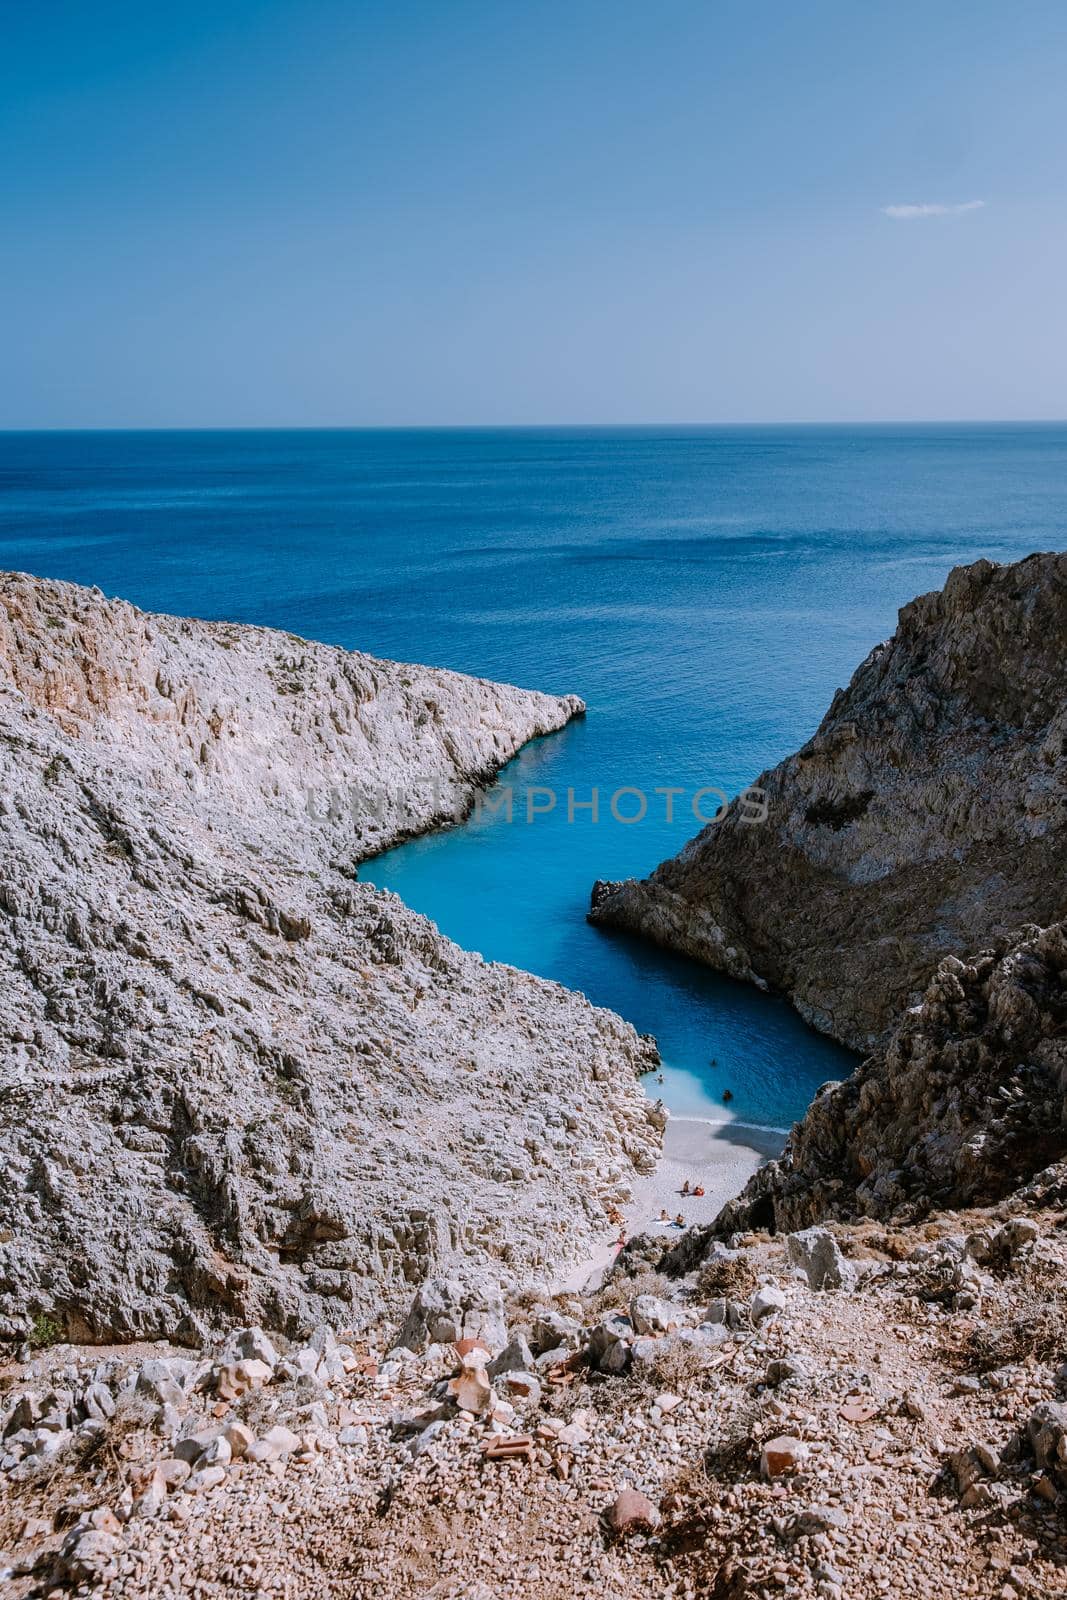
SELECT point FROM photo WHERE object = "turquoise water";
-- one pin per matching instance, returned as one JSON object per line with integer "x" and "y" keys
{"x": 705, "y": 590}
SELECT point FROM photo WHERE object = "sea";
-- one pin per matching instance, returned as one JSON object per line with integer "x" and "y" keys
{"x": 704, "y": 589}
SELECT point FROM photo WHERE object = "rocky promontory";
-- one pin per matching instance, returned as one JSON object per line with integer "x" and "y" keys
{"x": 236, "y": 1083}
{"x": 964, "y": 1105}
{"x": 926, "y": 817}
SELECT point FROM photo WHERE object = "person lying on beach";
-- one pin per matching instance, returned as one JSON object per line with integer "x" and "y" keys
{"x": 699, "y": 1190}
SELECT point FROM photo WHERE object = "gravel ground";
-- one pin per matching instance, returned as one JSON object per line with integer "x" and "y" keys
{"x": 863, "y": 1442}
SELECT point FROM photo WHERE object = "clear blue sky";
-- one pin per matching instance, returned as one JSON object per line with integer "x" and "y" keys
{"x": 326, "y": 211}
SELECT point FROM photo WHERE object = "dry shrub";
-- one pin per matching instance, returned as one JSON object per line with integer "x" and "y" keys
{"x": 129, "y": 1436}
{"x": 679, "y": 1367}
{"x": 619, "y": 1290}
{"x": 1038, "y": 1329}
{"x": 731, "y": 1453}
{"x": 57, "y": 1493}
{"x": 733, "y": 1278}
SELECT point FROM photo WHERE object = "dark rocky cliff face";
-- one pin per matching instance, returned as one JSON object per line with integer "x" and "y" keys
{"x": 926, "y": 817}
{"x": 966, "y": 1102}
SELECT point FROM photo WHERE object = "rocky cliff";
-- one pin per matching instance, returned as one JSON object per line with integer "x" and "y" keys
{"x": 927, "y": 815}
{"x": 234, "y": 1081}
{"x": 966, "y": 1102}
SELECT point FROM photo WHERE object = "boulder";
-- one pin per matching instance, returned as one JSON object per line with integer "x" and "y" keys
{"x": 446, "y": 1310}
{"x": 1047, "y": 1428}
{"x": 816, "y": 1252}
{"x": 516, "y": 1356}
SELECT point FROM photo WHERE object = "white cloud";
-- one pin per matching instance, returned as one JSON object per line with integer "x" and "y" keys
{"x": 906, "y": 213}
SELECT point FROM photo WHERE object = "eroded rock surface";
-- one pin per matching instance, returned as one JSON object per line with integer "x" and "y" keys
{"x": 926, "y": 817}
{"x": 237, "y": 1084}
{"x": 966, "y": 1102}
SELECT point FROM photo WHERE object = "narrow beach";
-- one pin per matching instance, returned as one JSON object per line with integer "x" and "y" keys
{"x": 718, "y": 1157}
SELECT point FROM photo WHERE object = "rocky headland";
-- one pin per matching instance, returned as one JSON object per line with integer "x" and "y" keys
{"x": 926, "y": 817}
{"x": 237, "y": 1083}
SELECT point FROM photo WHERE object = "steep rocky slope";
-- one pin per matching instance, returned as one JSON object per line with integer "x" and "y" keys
{"x": 926, "y": 816}
{"x": 235, "y": 1082}
{"x": 965, "y": 1104}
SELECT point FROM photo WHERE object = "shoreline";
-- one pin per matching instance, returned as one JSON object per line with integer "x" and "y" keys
{"x": 720, "y": 1156}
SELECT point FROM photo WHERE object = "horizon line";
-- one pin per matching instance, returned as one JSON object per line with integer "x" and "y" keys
{"x": 528, "y": 427}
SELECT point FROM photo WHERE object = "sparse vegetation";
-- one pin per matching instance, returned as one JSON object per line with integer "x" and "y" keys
{"x": 44, "y": 1331}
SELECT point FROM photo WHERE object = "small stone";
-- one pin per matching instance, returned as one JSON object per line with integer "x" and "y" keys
{"x": 275, "y": 1445}
{"x": 216, "y": 1453}
{"x": 105, "y": 1520}
{"x": 516, "y": 1356}
{"x": 609, "y": 1330}
{"x": 1047, "y": 1428}
{"x": 729, "y": 1313}
{"x": 819, "y": 1518}
{"x": 238, "y": 1437}
{"x": 616, "y": 1358}
{"x": 205, "y": 1479}
{"x": 782, "y": 1454}
{"x": 98, "y": 1402}
{"x": 472, "y": 1390}
{"x": 239, "y": 1377}
{"x": 86, "y": 1554}
{"x": 552, "y": 1331}
{"x": 173, "y": 1472}
{"x": 1019, "y": 1233}
{"x": 158, "y": 1378}
{"x": 632, "y": 1512}
{"x": 521, "y": 1385}
{"x": 767, "y": 1301}
{"x": 784, "y": 1369}
{"x": 252, "y": 1344}
{"x": 190, "y": 1448}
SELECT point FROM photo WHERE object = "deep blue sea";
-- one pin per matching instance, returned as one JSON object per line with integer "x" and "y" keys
{"x": 704, "y": 589}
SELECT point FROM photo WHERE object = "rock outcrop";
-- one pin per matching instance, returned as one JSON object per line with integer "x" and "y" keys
{"x": 967, "y": 1101}
{"x": 926, "y": 817}
{"x": 236, "y": 1083}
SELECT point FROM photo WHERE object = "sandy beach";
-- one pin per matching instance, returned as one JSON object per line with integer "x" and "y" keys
{"x": 719, "y": 1157}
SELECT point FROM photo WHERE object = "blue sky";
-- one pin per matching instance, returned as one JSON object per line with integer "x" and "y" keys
{"x": 315, "y": 212}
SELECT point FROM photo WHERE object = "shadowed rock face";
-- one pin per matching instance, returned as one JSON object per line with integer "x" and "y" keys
{"x": 235, "y": 1083}
{"x": 927, "y": 816}
{"x": 966, "y": 1102}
